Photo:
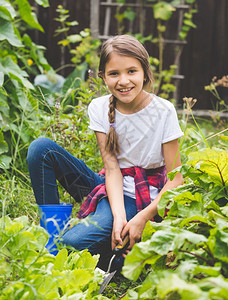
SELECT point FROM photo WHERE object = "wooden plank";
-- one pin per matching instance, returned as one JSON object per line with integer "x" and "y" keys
{"x": 175, "y": 42}
{"x": 204, "y": 113}
{"x": 107, "y": 18}
{"x": 138, "y": 5}
{"x": 94, "y": 18}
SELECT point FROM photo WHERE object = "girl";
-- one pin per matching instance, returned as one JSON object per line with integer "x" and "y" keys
{"x": 137, "y": 133}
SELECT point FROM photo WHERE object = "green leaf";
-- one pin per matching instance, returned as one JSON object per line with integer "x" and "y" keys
{"x": 162, "y": 241}
{"x": 189, "y": 23}
{"x": 4, "y": 107}
{"x": 5, "y": 161}
{"x": 7, "y": 33}
{"x": 73, "y": 23}
{"x": 217, "y": 286}
{"x": 6, "y": 10}
{"x": 79, "y": 277}
{"x": 1, "y": 78}
{"x": 44, "y": 3}
{"x": 163, "y": 10}
{"x": 74, "y": 38}
{"x": 173, "y": 283}
{"x": 207, "y": 270}
{"x": 85, "y": 260}
{"x": 219, "y": 244}
{"x": 61, "y": 259}
{"x": 137, "y": 258}
{"x": 225, "y": 210}
{"x": 15, "y": 72}
{"x": 4, "y": 14}
{"x": 130, "y": 15}
{"x": 3, "y": 144}
{"x": 27, "y": 15}
{"x": 148, "y": 231}
{"x": 191, "y": 237}
{"x": 195, "y": 219}
{"x": 213, "y": 163}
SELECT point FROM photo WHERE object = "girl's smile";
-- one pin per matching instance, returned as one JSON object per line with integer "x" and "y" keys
{"x": 124, "y": 77}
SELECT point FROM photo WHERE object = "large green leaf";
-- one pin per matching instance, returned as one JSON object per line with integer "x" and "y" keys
{"x": 218, "y": 242}
{"x": 15, "y": 72}
{"x": 7, "y": 33}
{"x": 217, "y": 286}
{"x": 174, "y": 283}
{"x": 160, "y": 244}
{"x": 4, "y": 108}
{"x": 137, "y": 258}
{"x": 27, "y": 15}
{"x": 213, "y": 163}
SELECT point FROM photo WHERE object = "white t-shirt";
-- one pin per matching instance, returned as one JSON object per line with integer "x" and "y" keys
{"x": 141, "y": 134}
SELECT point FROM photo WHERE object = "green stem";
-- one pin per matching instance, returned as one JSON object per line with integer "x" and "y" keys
{"x": 204, "y": 139}
{"x": 199, "y": 257}
{"x": 19, "y": 137}
{"x": 208, "y": 138}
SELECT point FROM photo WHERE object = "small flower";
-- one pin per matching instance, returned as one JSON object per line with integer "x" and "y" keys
{"x": 222, "y": 81}
{"x": 29, "y": 61}
{"x": 190, "y": 102}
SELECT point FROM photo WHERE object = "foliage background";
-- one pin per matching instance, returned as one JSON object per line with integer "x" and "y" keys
{"x": 204, "y": 56}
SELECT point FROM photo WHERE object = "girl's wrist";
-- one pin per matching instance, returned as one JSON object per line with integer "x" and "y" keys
{"x": 118, "y": 216}
{"x": 148, "y": 214}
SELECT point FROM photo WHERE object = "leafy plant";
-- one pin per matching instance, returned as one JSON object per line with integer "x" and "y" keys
{"x": 163, "y": 12}
{"x": 221, "y": 105}
{"x": 186, "y": 254}
{"x": 19, "y": 57}
{"x": 28, "y": 271}
{"x": 84, "y": 54}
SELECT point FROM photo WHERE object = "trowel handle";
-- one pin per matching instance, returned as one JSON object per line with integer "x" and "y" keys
{"x": 119, "y": 249}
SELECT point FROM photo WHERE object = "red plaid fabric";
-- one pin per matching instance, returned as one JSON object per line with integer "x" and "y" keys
{"x": 143, "y": 179}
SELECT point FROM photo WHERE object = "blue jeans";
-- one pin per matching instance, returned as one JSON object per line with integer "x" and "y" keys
{"x": 47, "y": 163}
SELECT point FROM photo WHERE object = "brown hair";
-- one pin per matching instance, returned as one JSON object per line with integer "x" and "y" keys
{"x": 128, "y": 46}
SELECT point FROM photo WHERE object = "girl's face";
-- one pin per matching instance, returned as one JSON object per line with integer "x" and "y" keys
{"x": 124, "y": 77}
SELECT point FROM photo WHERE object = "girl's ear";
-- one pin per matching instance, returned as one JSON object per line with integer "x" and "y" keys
{"x": 101, "y": 75}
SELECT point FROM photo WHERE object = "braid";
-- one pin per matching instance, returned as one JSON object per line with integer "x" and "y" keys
{"x": 112, "y": 143}
{"x": 111, "y": 112}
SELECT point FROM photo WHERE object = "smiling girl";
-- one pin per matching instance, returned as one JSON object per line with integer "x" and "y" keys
{"x": 137, "y": 134}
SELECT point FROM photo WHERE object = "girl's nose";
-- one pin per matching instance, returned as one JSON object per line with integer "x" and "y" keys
{"x": 123, "y": 80}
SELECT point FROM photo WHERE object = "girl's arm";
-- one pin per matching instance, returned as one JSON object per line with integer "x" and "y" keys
{"x": 136, "y": 225}
{"x": 114, "y": 188}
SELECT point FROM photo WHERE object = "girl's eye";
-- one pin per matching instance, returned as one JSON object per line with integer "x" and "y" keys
{"x": 113, "y": 74}
{"x": 132, "y": 71}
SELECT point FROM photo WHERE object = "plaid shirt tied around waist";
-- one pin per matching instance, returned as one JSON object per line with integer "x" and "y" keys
{"x": 143, "y": 178}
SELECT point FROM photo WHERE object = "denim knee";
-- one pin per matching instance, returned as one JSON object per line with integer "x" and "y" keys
{"x": 37, "y": 149}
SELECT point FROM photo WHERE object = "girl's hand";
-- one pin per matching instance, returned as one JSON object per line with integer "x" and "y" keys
{"x": 118, "y": 225}
{"x": 135, "y": 228}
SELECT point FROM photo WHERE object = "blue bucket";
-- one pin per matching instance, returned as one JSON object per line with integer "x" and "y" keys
{"x": 55, "y": 219}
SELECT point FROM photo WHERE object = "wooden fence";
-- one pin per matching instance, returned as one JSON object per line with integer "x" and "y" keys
{"x": 204, "y": 56}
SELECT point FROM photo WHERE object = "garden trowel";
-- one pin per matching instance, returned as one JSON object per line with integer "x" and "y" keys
{"x": 117, "y": 251}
